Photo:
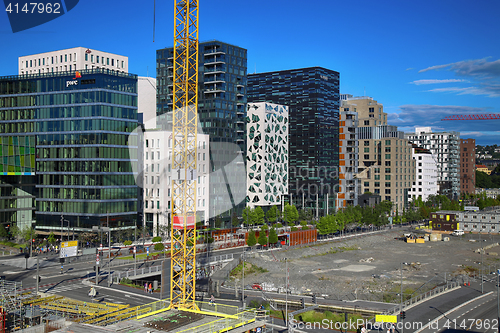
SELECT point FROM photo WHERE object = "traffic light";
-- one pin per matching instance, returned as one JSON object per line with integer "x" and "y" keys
{"x": 39, "y": 278}
{"x": 33, "y": 240}
{"x": 302, "y": 302}
{"x": 402, "y": 314}
{"x": 314, "y": 298}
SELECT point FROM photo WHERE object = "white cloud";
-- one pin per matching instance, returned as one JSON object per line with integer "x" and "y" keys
{"x": 488, "y": 90}
{"x": 431, "y": 81}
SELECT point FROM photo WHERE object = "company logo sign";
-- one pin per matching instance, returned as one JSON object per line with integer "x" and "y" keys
{"x": 74, "y": 82}
{"x": 25, "y": 15}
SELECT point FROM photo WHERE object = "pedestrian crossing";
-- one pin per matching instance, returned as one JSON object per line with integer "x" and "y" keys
{"x": 61, "y": 289}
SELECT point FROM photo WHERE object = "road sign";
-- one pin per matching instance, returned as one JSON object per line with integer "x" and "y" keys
{"x": 386, "y": 319}
{"x": 97, "y": 260}
{"x": 135, "y": 249}
{"x": 68, "y": 249}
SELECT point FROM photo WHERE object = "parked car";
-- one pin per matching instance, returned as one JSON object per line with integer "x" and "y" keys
{"x": 138, "y": 248}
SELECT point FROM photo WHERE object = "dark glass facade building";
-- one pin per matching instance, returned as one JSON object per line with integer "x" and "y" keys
{"x": 222, "y": 84}
{"x": 68, "y": 149}
{"x": 312, "y": 95}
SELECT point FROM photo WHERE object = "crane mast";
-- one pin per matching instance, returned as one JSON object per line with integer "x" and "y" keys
{"x": 184, "y": 153}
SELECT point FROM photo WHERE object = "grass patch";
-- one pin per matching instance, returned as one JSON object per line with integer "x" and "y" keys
{"x": 12, "y": 244}
{"x": 249, "y": 269}
{"x": 333, "y": 250}
{"x": 140, "y": 256}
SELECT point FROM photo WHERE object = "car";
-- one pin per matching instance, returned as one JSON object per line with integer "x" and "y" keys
{"x": 457, "y": 232}
{"x": 138, "y": 248}
{"x": 256, "y": 286}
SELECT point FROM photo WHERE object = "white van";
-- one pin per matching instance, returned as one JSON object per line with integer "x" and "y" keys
{"x": 457, "y": 232}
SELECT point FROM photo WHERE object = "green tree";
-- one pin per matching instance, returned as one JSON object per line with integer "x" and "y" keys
{"x": 247, "y": 216}
{"x": 251, "y": 240}
{"x": 258, "y": 215}
{"x": 159, "y": 246}
{"x": 52, "y": 238}
{"x": 3, "y": 232}
{"x": 234, "y": 220}
{"x": 127, "y": 242}
{"x": 291, "y": 213}
{"x": 262, "y": 237}
{"x": 157, "y": 239}
{"x": 218, "y": 222}
{"x": 273, "y": 237}
{"x": 272, "y": 214}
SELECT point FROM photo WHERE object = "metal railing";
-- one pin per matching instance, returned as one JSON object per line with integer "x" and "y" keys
{"x": 224, "y": 324}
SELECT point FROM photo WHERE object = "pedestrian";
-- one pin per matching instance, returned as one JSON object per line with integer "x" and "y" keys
{"x": 363, "y": 329}
{"x": 146, "y": 287}
{"x": 212, "y": 300}
{"x": 150, "y": 288}
{"x": 393, "y": 328}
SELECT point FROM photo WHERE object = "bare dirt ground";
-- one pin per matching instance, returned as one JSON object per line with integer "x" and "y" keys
{"x": 369, "y": 267}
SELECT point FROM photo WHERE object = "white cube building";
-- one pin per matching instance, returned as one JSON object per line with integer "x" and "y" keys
{"x": 426, "y": 174}
{"x": 267, "y": 154}
{"x": 76, "y": 58}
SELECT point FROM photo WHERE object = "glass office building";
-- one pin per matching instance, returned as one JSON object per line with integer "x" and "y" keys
{"x": 222, "y": 82}
{"x": 65, "y": 149}
{"x": 312, "y": 95}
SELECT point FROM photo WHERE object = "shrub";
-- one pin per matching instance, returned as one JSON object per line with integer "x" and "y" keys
{"x": 278, "y": 225}
{"x": 127, "y": 243}
{"x": 159, "y": 246}
{"x": 294, "y": 229}
{"x": 156, "y": 239}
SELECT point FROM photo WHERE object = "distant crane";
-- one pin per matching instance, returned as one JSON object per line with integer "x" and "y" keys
{"x": 487, "y": 116}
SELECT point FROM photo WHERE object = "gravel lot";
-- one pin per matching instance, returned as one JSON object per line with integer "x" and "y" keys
{"x": 369, "y": 267}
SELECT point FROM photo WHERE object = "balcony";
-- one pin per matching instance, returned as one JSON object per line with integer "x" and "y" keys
{"x": 213, "y": 52}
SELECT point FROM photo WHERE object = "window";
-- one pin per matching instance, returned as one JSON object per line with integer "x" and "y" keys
{"x": 371, "y": 109}
{"x": 366, "y": 143}
{"x": 367, "y": 123}
{"x": 146, "y": 155}
{"x": 387, "y": 156}
{"x": 157, "y": 205}
{"x": 97, "y": 59}
{"x": 112, "y": 62}
{"x": 152, "y": 155}
{"x": 387, "y": 170}
{"x": 377, "y": 177}
{"x": 387, "y": 177}
{"x": 367, "y": 150}
{"x": 86, "y": 57}
{"x": 152, "y": 167}
{"x": 387, "y": 191}
{"x": 377, "y": 184}
{"x": 387, "y": 149}
{"x": 367, "y": 157}
{"x": 387, "y": 163}
{"x": 122, "y": 64}
{"x": 152, "y": 179}
{"x": 146, "y": 202}
{"x": 158, "y": 155}
{"x": 387, "y": 142}
{"x": 107, "y": 61}
{"x": 92, "y": 58}
{"x": 147, "y": 143}
{"x": 366, "y": 184}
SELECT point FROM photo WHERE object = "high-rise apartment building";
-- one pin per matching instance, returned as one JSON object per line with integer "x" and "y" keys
{"x": 446, "y": 147}
{"x": 386, "y": 167}
{"x": 312, "y": 95}
{"x": 67, "y": 149}
{"x": 426, "y": 172}
{"x": 467, "y": 166}
{"x": 76, "y": 58}
{"x": 222, "y": 98}
{"x": 267, "y": 155}
{"x": 349, "y": 187}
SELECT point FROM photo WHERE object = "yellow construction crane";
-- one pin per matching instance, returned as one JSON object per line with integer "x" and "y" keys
{"x": 184, "y": 163}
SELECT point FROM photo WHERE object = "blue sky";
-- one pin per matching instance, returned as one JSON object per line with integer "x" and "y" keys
{"x": 423, "y": 60}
